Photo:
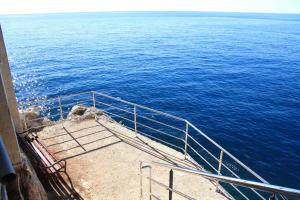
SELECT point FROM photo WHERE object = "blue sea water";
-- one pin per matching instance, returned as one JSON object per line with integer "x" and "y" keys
{"x": 236, "y": 76}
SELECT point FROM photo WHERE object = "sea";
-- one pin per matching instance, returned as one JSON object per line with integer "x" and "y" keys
{"x": 236, "y": 76}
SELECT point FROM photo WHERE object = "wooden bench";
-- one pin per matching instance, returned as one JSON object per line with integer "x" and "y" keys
{"x": 44, "y": 156}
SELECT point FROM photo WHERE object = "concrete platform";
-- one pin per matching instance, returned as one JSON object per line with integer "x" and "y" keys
{"x": 103, "y": 159}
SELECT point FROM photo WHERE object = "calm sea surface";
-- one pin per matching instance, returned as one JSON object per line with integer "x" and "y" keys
{"x": 236, "y": 76}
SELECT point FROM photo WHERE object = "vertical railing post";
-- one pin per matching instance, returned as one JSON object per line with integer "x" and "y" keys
{"x": 186, "y": 139}
{"x": 171, "y": 184}
{"x": 150, "y": 183}
{"x": 135, "y": 123}
{"x": 141, "y": 180}
{"x": 220, "y": 167}
{"x": 94, "y": 101}
{"x": 273, "y": 197}
{"x": 94, "y": 105}
{"x": 220, "y": 162}
{"x": 60, "y": 108}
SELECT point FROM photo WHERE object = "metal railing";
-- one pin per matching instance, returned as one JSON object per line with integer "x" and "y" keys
{"x": 165, "y": 128}
{"x": 273, "y": 190}
{"x": 152, "y": 180}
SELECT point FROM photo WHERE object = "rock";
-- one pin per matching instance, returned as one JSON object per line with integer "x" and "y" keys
{"x": 81, "y": 112}
{"x": 36, "y": 122}
{"x": 32, "y": 118}
{"x": 32, "y": 113}
{"x": 91, "y": 112}
{"x": 78, "y": 110}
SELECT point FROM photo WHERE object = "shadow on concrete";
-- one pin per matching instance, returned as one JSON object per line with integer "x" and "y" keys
{"x": 142, "y": 145}
{"x": 136, "y": 142}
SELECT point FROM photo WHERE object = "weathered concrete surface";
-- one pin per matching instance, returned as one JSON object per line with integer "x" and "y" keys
{"x": 104, "y": 157}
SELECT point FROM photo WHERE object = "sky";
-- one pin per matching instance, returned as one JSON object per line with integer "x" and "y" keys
{"x": 56, "y": 6}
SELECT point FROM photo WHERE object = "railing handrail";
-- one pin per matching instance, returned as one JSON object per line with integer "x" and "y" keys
{"x": 53, "y": 98}
{"x": 139, "y": 106}
{"x": 266, "y": 187}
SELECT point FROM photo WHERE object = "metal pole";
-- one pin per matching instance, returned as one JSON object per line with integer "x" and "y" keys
{"x": 220, "y": 162}
{"x": 170, "y": 184}
{"x": 94, "y": 105}
{"x": 273, "y": 197}
{"x": 94, "y": 101}
{"x": 60, "y": 108}
{"x": 141, "y": 181}
{"x": 186, "y": 139}
{"x": 150, "y": 183}
{"x": 220, "y": 166}
{"x": 135, "y": 123}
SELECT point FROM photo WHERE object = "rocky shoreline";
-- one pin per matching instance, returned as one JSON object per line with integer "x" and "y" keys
{"x": 32, "y": 119}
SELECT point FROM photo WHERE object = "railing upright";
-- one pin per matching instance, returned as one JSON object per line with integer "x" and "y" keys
{"x": 220, "y": 162}
{"x": 60, "y": 108}
{"x": 220, "y": 167}
{"x": 171, "y": 184}
{"x": 150, "y": 183}
{"x": 94, "y": 104}
{"x": 141, "y": 180}
{"x": 135, "y": 122}
{"x": 186, "y": 139}
{"x": 273, "y": 197}
{"x": 94, "y": 100}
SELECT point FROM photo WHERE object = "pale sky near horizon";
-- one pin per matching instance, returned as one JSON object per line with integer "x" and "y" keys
{"x": 54, "y": 6}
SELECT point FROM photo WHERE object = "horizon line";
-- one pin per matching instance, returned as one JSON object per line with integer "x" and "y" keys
{"x": 153, "y": 11}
